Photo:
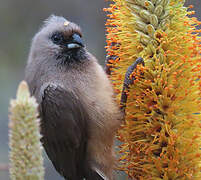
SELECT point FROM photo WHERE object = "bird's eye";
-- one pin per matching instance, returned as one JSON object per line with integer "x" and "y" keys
{"x": 57, "y": 38}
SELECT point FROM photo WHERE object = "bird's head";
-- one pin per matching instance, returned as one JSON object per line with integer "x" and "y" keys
{"x": 60, "y": 39}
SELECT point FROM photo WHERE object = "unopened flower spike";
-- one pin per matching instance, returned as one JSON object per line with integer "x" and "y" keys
{"x": 26, "y": 162}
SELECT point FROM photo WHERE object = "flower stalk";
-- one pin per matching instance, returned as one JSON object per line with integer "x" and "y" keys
{"x": 26, "y": 160}
{"x": 161, "y": 134}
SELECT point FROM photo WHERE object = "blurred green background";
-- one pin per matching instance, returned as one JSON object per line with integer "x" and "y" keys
{"x": 19, "y": 21}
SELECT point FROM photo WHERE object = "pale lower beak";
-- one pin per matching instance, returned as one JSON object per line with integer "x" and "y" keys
{"x": 73, "y": 46}
{"x": 76, "y": 42}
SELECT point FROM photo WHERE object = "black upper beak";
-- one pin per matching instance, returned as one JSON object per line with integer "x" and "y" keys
{"x": 76, "y": 42}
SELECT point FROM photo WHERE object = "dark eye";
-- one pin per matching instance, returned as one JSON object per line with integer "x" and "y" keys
{"x": 57, "y": 38}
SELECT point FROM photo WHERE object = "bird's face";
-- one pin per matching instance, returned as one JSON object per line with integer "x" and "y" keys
{"x": 61, "y": 40}
{"x": 70, "y": 46}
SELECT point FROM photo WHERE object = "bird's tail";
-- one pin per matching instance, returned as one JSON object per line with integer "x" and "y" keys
{"x": 100, "y": 174}
{"x": 96, "y": 174}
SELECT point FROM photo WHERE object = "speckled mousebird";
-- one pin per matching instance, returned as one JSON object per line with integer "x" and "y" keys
{"x": 78, "y": 113}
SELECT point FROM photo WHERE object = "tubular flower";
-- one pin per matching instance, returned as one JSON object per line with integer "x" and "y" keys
{"x": 26, "y": 162}
{"x": 161, "y": 134}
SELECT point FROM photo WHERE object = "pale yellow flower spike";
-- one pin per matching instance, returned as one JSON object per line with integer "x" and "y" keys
{"x": 26, "y": 161}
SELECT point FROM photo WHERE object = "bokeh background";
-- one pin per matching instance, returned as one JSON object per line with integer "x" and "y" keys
{"x": 19, "y": 21}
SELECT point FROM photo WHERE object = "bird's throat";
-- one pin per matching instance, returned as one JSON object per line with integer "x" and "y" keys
{"x": 72, "y": 56}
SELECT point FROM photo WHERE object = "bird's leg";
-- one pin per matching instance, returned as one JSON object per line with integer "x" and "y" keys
{"x": 127, "y": 82}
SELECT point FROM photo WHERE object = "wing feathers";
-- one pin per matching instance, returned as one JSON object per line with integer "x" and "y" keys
{"x": 64, "y": 130}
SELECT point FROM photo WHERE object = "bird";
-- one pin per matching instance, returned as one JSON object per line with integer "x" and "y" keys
{"x": 78, "y": 113}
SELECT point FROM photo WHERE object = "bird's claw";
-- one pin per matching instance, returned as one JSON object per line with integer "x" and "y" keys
{"x": 108, "y": 66}
{"x": 128, "y": 81}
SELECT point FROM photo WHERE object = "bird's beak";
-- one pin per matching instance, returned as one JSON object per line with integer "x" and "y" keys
{"x": 77, "y": 42}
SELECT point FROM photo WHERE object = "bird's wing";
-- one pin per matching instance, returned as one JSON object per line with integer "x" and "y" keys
{"x": 64, "y": 130}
